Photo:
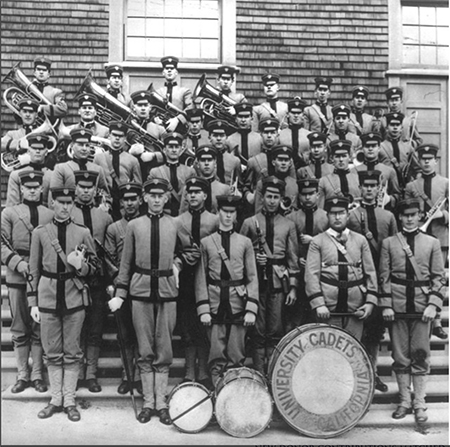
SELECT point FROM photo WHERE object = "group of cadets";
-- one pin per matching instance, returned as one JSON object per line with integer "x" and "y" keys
{"x": 238, "y": 233}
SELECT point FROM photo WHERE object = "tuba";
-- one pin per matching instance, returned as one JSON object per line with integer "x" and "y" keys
{"x": 214, "y": 102}
{"x": 162, "y": 108}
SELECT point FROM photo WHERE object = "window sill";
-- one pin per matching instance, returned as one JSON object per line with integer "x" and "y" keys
{"x": 418, "y": 72}
{"x": 145, "y": 65}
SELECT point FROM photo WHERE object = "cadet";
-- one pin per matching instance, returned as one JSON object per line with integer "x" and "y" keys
{"x": 317, "y": 165}
{"x": 131, "y": 200}
{"x": 18, "y": 222}
{"x": 194, "y": 225}
{"x": 412, "y": 279}
{"x": 149, "y": 277}
{"x": 340, "y": 274}
{"x": 340, "y": 131}
{"x": 114, "y": 74}
{"x": 225, "y": 81}
{"x": 61, "y": 254}
{"x": 226, "y": 290}
{"x": 196, "y": 135}
{"x": 275, "y": 242}
{"x": 318, "y": 117}
{"x": 361, "y": 122}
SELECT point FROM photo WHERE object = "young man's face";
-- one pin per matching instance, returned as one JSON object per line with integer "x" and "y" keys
{"x": 337, "y": 219}
{"x": 271, "y": 89}
{"x": 85, "y": 192}
{"x": 341, "y": 122}
{"x": 394, "y": 129}
{"x": 31, "y": 192}
{"x": 196, "y": 198}
{"x": 322, "y": 93}
{"x": 207, "y": 166}
{"x": 395, "y": 104}
{"x": 369, "y": 191}
{"x": 170, "y": 73}
{"x": 131, "y": 205}
{"x": 81, "y": 149}
{"x": 37, "y": 155}
{"x": 371, "y": 150}
{"x": 317, "y": 150}
{"x": 117, "y": 139}
{"x": 28, "y": 116}
{"x": 155, "y": 201}
{"x": 359, "y": 102}
{"x": 410, "y": 220}
{"x": 309, "y": 198}
{"x": 87, "y": 112}
{"x": 224, "y": 83}
{"x": 41, "y": 73}
{"x": 115, "y": 81}
{"x": 269, "y": 137}
{"x": 341, "y": 160}
{"x": 282, "y": 164}
{"x": 62, "y": 208}
{"x": 244, "y": 120}
{"x": 195, "y": 125}
{"x": 142, "y": 109}
{"x": 227, "y": 216}
{"x": 218, "y": 139}
{"x": 172, "y": 150}
{"x": 428, "y": 164}
{"x": 295, "y": 117}
{"x": 271, "y": 201}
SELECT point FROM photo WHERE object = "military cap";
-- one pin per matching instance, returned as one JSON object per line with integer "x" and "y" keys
{"x": 296, "y": 103}
{"x": 412, "y": 205}
{"x": 218, "y": 126}
{"x": 360, "y": 91}
{"x": 81, "y": 134}
{"x": 113, "y": 69}
{"x": 169, "y": 60}
{"x": 86, "y": 99}
{"x": 340, "y": 146}
{"x": 205, "y": 149}
{"x": 63, "y": 193}
{"x": 369, "y": 177}
{"x": 194, "y": 113}
{"x": 371, "y": 137}
{"x": 394, "y": 92}
{"x": 273, "y": 183}
{"x": 42, "y": 60}
{"x": 243, "y": 107}
{"x": 228, "y": 201}
{"x": 156, "y": 184}
{"x": 89, "y": 177}
{"x": 28, "y": 103}
{"x": 173, "y": 136}
{"x": 40, "y": 141}
{"x": 336, "y": 202}
{"x": 119, "y": 126}
{"x": 281, "y": 149}
{"x": 130, "y": 189}
{"x": 31, "y": 177}
{"x": 323, "y": 81}
{"x": 141, "y": 95}
{"x": 196, "y": 183}
{"x": 269, "y": 124}
{"x": 427, "y": 150}
{"x": 341, "y": 109}
{"x": 316, "y": 138}
{"x": 270, "y": 77}
{"x": 394, "y": 117}
{"x": 306, "y": 185}
{"x": 226, "y": 70}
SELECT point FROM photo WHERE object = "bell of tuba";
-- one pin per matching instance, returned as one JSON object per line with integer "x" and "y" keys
{"x": 162, "y": 108}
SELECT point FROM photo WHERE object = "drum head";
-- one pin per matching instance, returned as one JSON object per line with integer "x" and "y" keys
{"x": 190, "y": 407}
{"x": 243, "y": 407}
{"x": 322, "y": 380}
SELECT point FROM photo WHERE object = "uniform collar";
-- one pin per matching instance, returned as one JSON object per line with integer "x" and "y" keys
{"x": 336, "y": 235}
{"x": 193, "y": 212}
{"x": 64, "y": 223}
{"x": 414, "y": 232}
{"x": 229, "y": 232}
{"x": 368, "y": 205}
{"x": 155, "y": 216}
{"x": 173, "y": 84}
{"x": 267, "y": 214}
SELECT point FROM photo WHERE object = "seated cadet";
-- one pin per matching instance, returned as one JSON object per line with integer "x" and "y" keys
{"x": 196, "y": 136}
{"x": 114, "y": 74}
{"x": 318, "y": 117}
{"x": 18, "y": 222}
{"x": 361, "y": 122}
{"x": 296, "y": 135}
{"x": 273, "y": 107}
{"x": 317, "y": 166}
{"x": 227, "y": 311}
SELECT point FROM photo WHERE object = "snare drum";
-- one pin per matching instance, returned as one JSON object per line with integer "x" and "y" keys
{"x": 190, "y": 407}
{"x": 322, "y": 380}
{"x": 243, "y": 404}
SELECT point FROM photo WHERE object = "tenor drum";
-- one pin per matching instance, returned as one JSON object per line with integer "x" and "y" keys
{"x": 322, "y": 380}
{"x": 190, "y": 407}
{"x": 243, "y": 403}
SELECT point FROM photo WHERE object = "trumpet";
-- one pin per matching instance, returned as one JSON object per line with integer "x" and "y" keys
{"x": 432, "y": 212}
{"x": 382, "y": 194}
{"x": 287, "y": 204}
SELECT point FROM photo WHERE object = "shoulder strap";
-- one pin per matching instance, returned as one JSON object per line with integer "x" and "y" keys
{"x": 422, "y": 195}
{"x": 310, "y": 171}
{"x": 24, "y": 219}
{"x": 263, "y": 240}
{"x": 172, "y": 191}
{"x": 367, "y": 233}
{"x": 316, "y": 108}
{"x": 336, "y": 188}
{"x": 111, "y": 168}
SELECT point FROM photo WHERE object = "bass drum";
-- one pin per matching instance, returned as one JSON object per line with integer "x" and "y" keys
{"x": 243, "y": 403}
{"x": 322, "y": 380}
{"x": 190, "y": 407}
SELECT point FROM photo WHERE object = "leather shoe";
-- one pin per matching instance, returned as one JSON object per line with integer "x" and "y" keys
{"x": 145, "y": 415}
{"x": 420, "y": 415}
{"x": 401, "y": 412}
{"x": 19, "y": 386}
{"x": 124, "y": 387}
{"x": 164, "y": 417}
{"x": 39, "y": 386}
{"x": 49, "y": 411}
{"x": 207, "y": 383}
{"x": 72, "y": 413}
{"x": 93, "y": 386}
{"x": 380, "y": 386}
{"x": 440, "y": 333}
{"x": 138, "y": 387}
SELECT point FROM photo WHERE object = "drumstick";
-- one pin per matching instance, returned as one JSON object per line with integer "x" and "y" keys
{"x": 208, "y": 397}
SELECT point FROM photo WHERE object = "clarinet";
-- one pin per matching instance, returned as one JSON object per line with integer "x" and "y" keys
{"x": 260, "y": 246}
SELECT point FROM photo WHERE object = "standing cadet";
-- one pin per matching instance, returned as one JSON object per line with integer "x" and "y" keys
{"x": 18, "y": 222}
{"x": 376, "y": 224}
{"x": 318, "y": 117}
{"x": 226, "y": 290}
{"x": 149, "y": 277}
{"x": 275, "y": 242}
{"x": 114, "y": 74}
{"x": 411, "y": 278}
{"x": 196, "y": 136}
{"x": 193, "y": 225}
{"x": 131, "y": 200}
{"x": 225, "y": 81}
{"x": 317, "y": 165}
{"x": 96, "y": 220}
{"x": 340, "y": 274}
{"x": 360, "y": 121}
{"x": 62, "y": 253}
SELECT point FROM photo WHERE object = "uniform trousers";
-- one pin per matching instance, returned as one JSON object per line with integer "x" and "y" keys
{"x": 351, "y": 324}
{"x": 128, "y": 339}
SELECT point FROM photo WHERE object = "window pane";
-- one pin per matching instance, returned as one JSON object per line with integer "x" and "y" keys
{"x": 427, "y": 35}
{"x": 155, "y": 47}
{"x": 136, "y": 8}
{"x": 209, "y": 49}
{"x": 410, "y": 35}
{"x": 410, "y": 15}
{"x": 136, "y": 47}
{"x": 155, "y": 27}
{"x": 442, "y": 35}
{"x": 442, "y": 16}
{"x": 191, "y": 28}
{"x": 191, "y": 48}
{"x": 210, "y": 8}
{"x": 155, "y": 8}
{"x": 173, "y": 28}
{"x": 173, "y": 8}
{"x": 172, "y": 46}
{"x": 428, "y": 55}
{"x": 136, "y": 27}
{"x": 410, "y": 54}
{"x": 210, "y": 29}
{"x": 442, "y": 56}
{"x": 191, "y": 8}
{"x": 427, "y": 16}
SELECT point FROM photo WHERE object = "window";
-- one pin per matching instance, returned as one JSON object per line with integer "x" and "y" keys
{"x": 188, "y": 29}
{"x": 425, "y": 35}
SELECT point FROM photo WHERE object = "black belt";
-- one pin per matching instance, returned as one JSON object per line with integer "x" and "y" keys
{"x": 342, "y": 284}
{"x": 154, "y": 272}
{"x": 274, "y": 261}
{"x": 59, "y": 276}
{"x": 226, "y": 282}
{"x": 23, "y": 252}
{"x": 409, "y": 282}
